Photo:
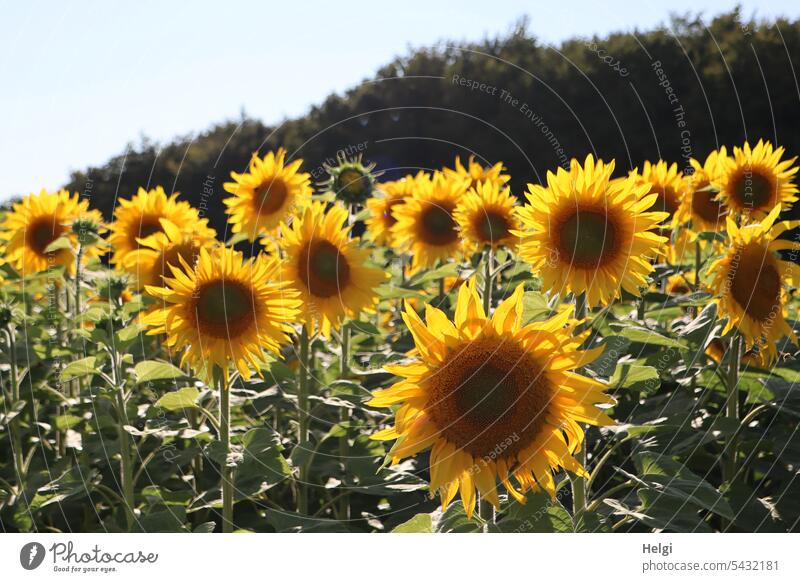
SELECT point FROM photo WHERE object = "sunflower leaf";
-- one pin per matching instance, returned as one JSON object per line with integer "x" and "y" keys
{"x": 152, "y": 370}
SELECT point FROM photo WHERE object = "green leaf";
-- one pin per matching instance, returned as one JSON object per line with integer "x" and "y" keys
{"x": 180, "y": 399}
{"x": 61, "y": 243}
{"x": 152, "y": 370}
{"x": 83, "y": 367}
{"x": 701, "y": 327}
{"x": 263, "y": 465}
{"x": 427, "y": 276}
{"x": 539, "y": 514}
{"x": 647, "y": 336}
{"x": 364, "y": 327}
{"x": 634, "y": 377}
{"x": 65, "y": 421}
{"x": 667, "y": 477}
{"x": 420, "y": 523}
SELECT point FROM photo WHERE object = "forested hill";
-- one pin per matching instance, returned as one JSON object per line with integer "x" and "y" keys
{"x": 670, "y": 93}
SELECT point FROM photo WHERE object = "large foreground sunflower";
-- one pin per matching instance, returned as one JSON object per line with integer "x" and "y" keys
{"x": 267, "y": 194}
{"x": 328, "y": 268}
{"x": 478, "y": 385}
{"x": 426, "y": 226}
{"x": 146, "y": 214}
{"x": 702, "y": 204}
{"x": 755, "y": 180}
{"x": 590, "y": 234}
{"x": 225, "y": 310}
{"x": 486, "y": 217}
{"x": 474, "y": 173}
{"x": 750, "y": 282}
{"x": 152, "y": 261}
{"x": 37, "y": 222}
{"x": 382, "y": 208}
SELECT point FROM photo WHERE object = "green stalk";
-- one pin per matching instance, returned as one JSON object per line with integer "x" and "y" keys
{"x": 225, "y": 439}
{"x": 126, "y": 469}
{"x": 579, "y": 483}
{"x": 14, "y": 427}
{"x": 344, "y": 417}
{"x": 78, "y": 282}
{"x": 487, "y": 281}
{"x": 732, "y": 405}
{"x": 698, "y": 261}
{"x": 302, "y": 410}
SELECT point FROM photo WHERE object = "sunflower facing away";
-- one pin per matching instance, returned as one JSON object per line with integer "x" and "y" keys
{"x": 145, "y": 214}
{"x": 701, "y": 203}
{"x": 225, "y": 310}
{"x": 486, "y": 217}
{"x": 382, "y": 208}
{"x": 152, "y": 261}
{"x": 750, "y": 282}
{"x": 38, "y": 221}
{"x": 426, "y": 226}
{"x": 755, "y": 180}
{"x": 589, "y": 234}
{"x": 328, "y": 268}
{"x": 479, "y": 383}
{"x": 474, "y": 173}
{"x": 266, "y": 195}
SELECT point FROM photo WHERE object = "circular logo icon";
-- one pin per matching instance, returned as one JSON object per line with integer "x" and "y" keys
{"x": 31, "y": 555}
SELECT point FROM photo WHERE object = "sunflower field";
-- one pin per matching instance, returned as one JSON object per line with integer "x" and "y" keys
{"x": 605, "y": 352}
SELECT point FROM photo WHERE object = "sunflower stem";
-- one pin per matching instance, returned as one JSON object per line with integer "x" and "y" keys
{"x": 487, "y": 281}
{"x": 14, "y": 425}
{"x": 225, "y": 439}
{"x": 579, "y": 482}
{"x": 698, "y": 261}
{"x": 732, "y": 405}
{"x": 302, "y": 410}
{"x": 125, "y": 467}
{"x": 344, "y": 418}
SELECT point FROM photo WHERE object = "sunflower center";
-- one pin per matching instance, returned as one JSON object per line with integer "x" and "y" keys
{"x": 353, "y": 184}
{"x": 489, "y": 395}
{"x": 323, "y": 269}
{"x": 667, "y": 200}
{"x": 756, "y": 284}
{"x": 705, "y": 206}
{"x": 42, "y": 233}
{"x": 270, "y": 196}
{"x": 437, "y": 226}
{"x": 754, "y": 190}
{"x": 148, "y": 225}
{"x": 491, "y": 226}
{"x": 224, "y": 309}
{"x": 588, "y": 237}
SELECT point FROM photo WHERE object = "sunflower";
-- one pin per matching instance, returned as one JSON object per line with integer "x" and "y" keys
{"x": 426, "y": 225}
{"x": 492, "y": 398}
{"x": 666, "y": 182}
{"x": 224, "y": 310}
{"x": 680, "y": 284}
{"x": 474, "y": 173}
{"x": 701, "y": 203}
{"x": 755, "y": 180}
{"x": 591, "y": 234}
{"x": 152, "y": 261}
{"x": 327, "y": 268}
{"x": 146, "y": 214}
{"x": 486, "y": 217}
{"x": 266, "y": 195}
{"x": 750, "y": 281}
{"x": 349, "y": 180}
{"x": 35, "y": 227}
{"x": 381, "y": 208}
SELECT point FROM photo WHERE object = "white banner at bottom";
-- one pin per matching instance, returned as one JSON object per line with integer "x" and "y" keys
{"x": 399, "y": 557}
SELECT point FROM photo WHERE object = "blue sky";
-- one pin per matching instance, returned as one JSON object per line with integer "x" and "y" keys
{"x": 82, "y": 79}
